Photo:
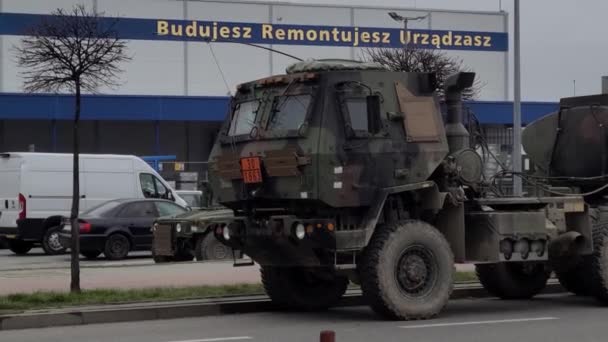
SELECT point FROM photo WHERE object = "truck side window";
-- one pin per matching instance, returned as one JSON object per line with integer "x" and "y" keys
{"x": 363, "y": 114}
{"x": 357, "y": 112}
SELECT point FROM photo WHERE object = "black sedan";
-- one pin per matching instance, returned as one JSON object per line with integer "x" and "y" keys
{"x": 116, "y": 227}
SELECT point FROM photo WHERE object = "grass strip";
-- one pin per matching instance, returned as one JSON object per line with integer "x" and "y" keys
{"x": 48, "y": 300}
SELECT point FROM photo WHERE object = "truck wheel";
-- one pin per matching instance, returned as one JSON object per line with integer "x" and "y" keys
{"x": 302, "y": 288}
{"x": 20, "y": 247}
{"x": 573, "y": 279}
{"x": 51, "y": 243}
{"x": 599, "y": 258}
{"x": 91, "y": 255}
{"x": 209, "y": 247}
{"x": 407, "y": 271}
{"x": 117, "y": 247}
{"x": 513, "y": 280}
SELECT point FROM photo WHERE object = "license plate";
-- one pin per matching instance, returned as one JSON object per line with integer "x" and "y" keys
{"x": 251, "y": 170}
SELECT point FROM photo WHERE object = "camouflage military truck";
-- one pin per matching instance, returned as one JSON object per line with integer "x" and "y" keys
{"x": 341, "y": 171}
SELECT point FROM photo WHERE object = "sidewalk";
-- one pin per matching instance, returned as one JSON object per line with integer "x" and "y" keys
{"x": 127, "y": 277}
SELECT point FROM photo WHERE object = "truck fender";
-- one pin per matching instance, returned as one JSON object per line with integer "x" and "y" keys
{"x": 432, "y": 199}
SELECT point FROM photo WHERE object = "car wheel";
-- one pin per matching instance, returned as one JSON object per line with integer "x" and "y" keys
{"x": 51, "y": 242}
{"x": 117, "y": 247}
{"x": 91, "y": 255}
{"x": 20, "y": 247}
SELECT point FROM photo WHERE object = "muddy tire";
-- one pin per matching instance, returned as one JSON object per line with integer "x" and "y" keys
{"x": 117, "y": 247}
{"x": 90, "y": 255}
{"x": 513, "y": 280}
{"x": 208, "y": 247}
{"x": 20, "y": 247}
{"x": 298, "y": 288}
{"x": 407, "y": 271}
{"x": 599, "y": 259}
{"x": 51, "y": 242}
{"x": 573, "y": 278}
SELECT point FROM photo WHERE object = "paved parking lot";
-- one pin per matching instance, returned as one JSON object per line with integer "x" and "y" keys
{"x": 36, "y": 272}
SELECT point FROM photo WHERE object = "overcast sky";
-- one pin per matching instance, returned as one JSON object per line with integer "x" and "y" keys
{"x": 561, "y": 41}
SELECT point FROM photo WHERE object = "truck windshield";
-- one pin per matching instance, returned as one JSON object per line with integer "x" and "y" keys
{"x": 289, "y": 112}
{"x": 244, "y": 116}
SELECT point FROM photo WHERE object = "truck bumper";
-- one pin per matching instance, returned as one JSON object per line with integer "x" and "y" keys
{"x": 278, "y": 240}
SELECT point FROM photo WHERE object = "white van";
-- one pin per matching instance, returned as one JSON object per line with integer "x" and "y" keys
{"x": 36, "y": 191}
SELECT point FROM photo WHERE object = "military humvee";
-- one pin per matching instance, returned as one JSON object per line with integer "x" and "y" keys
{"x": 341, "y": 171}
{"x": 189, "y": 236}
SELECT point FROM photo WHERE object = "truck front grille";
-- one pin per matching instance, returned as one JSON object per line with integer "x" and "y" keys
{"x": 163, "y": 242}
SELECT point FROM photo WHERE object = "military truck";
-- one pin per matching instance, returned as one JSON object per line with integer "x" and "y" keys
{"x": 342, "y": 171}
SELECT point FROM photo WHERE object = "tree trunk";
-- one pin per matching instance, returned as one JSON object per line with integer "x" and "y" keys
{"x": 75, "y": 264}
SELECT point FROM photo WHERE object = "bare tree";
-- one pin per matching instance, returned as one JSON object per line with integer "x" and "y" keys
{"x": 413, "y": 59}
{"x": 72, "y": 51}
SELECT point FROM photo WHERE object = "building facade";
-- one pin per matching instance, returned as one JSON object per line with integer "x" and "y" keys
{"x": 188, "y": 56}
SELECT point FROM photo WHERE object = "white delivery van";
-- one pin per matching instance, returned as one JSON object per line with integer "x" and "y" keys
{"x": 36, "y": 191}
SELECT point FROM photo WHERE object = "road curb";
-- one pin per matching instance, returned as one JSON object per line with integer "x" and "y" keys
{"x": 184, "y": 309}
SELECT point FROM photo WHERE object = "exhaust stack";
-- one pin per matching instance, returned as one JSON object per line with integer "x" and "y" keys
{"x": 457, "y": 134}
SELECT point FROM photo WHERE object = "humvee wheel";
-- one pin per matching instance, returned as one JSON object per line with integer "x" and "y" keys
{"x": 407, "y": 271}
{"x": 302, "y": 288}
{"x": 208, "y": 247}
{"x": 513, "y": 280}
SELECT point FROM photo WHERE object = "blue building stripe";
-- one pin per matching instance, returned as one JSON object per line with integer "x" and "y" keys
{"x": 18, "y": 106}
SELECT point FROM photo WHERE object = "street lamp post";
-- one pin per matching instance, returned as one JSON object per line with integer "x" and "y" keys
{"x": 516, "y": 153}
{"x": 405, "y": 20}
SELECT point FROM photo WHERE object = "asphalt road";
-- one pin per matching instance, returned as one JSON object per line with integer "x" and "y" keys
{"x": 547, "y": 318}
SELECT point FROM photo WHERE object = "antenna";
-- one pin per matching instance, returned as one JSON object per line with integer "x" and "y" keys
{"x": 264, "y": 48}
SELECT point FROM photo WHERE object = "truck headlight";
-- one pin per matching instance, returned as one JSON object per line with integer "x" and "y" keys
{"x": 300, "y": 231}
{"x": 226, "y": 233}
{"x": 178, "y": 228}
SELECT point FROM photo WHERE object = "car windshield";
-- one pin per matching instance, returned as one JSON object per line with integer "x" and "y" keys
{"x": 289, "y": 112}
{"x": 244, "y": 116}
{"x": 193, "y": 200}
{"x": 101, "y": 210}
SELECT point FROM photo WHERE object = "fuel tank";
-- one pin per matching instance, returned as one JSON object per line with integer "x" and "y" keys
{"x": 571, "y": 142}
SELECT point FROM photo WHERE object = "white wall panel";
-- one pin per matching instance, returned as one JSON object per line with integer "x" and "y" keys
{"x": 11, "y": 81}
{"x": 239, "y": 63}
{"x": 467, "y": 22}
{"x": 156, "y": 9}
{"x": 489, "y": 69}
{"x": 156, "y": 69}
{"x": 311, "y": 15}
{"x": 228, "y": 12}
{"x": 299, "y": 15}
{"x": 41, "y": 6}
{"x": 380, "y": 18}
